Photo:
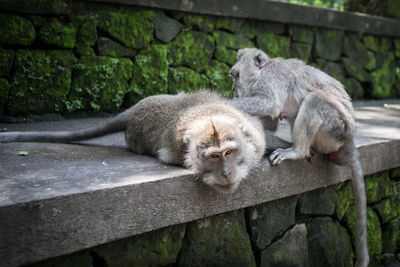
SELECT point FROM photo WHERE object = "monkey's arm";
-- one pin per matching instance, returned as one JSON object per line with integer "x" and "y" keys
{"x": 257, "y": 105}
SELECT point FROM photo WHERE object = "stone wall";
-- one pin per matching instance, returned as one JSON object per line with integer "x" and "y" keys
{"x": 312, "y": 229}
{"x": 63, "y": 56}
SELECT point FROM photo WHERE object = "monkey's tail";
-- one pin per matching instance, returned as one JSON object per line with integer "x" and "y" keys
{"x": 115, "y": 124}
{"x": 360, "y": 205}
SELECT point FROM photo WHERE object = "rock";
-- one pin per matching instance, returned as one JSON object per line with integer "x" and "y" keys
{"x": 371, "y": 64}
{"x": 53, "y": 7}
{"x": 354, "y": 69}
{"x": 87, "y": 33}
{"x": 300, "y": 51}
{"x": 290, "y": 250}
{"x": 335, "y": 70}
{"x": 390, "y": 236}
{"x": 225, "y": 55}
{"x": 328, "y": 44}
{"x": 397, "y": 47}
{"x": 133, "y": 28}
{"x": 254, "y": 28}
{"x": 301, "y": 34}
{"x": 232, "y": 41}
{"x": 356, "y": 50}
{"x": 232, "y": 25}
{"x": 200, "y": 22}
{"x": 374, "y": 237}
{"x": 85, "y": 51}
{"x": 37, "y": 20}
{"x": 166, "y": 29}
{"x": 156, "y": 248}
{"x": 192, "y": 49}
{"x": 378, "y": 186}
{"x": 274, "y": 45}
{"x": 185, "y": 79}
{"x": 328, "y": 244}
{"x": 6, "y": 61}
{"x": 354, "y": 88}
{"x": 100, "y": 83}
{"x": 110, "y": 48}
{"x": 4, "y": 90}
{"x": 318, "y": 202}
{"x": 270, "y": 220}
{"x": 150, "y": 73}
{"x": 385, "y": 44}
{"x": 383, "y": 78}
{"x": 41, "y": 81}
{"x": 217, "y": 241}
{"x": 16, "y": 30}
{"x": 220, "y": 81}
{"x": 371, "y": 42}
{"x": 57, "y": 33}
{"x": 388, "y": 209}
{"x": 394, "y": 174}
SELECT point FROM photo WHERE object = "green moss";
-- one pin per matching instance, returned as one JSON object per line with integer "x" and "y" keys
{"x": 301, "y": 34}
{"x": 57, "y": 33}
{"x": 371, "y": 42}
{"x": 16, "y": 30}
{"x": 217, "y": 241}
{"x": 225, "y": 55}
{"x": 274, "y": 45}
{"x": 378, "y": 186}
{"x": 85, "y": 51}
{"x": 396, "y": 43}
{"x": 233, "y": 41}
{"x": 36, "y": 6}
{"x": 6, "y": 61}
{"x": 343, "y": 198}
{"x": 385, "y": 44}
{"x": 371, "y": 64}
{"x": 4, "y": 90}
{"x": 391, "y": 236}
{"x": 41, "y": 81}
{"x": 110, "y": 48}
{"x": 87, "y": 33}
{"x": 134, "y": 28}
{"x": 157, "y": 248}
{"x": 388, "y": 209}
{"x": 100, "y": 83}
{"x": 150, "y": 75}
{"x": 192, "y": 49}
{"x": 374, "y": 238}
{"x": 354, "y": 88}
{"x": 335, "y": 70}
{"x": 217, "y": 73}
{"x": 300, "y": 51}
{"x": 185, "y": 79}
{"x": 354, "y": 69}
{"x": 199, "y": 22}
{"x": 383, "y": 79}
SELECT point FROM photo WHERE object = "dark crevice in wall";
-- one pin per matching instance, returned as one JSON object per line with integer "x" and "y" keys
{"x": 256, "y": 250}
{"x": 97, "y": 261}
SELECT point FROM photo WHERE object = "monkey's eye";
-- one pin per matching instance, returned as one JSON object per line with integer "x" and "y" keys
{"x": 214, "y": 157}
{"x": 230, "y": 153}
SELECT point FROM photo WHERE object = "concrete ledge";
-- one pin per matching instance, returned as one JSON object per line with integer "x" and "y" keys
{"x": 278, "y": 12}
{"x": 62, "y": 198}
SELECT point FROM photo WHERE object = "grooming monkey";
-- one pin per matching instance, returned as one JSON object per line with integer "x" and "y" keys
{"x": 318, "y": 110}
{"x": 198, "y": 130}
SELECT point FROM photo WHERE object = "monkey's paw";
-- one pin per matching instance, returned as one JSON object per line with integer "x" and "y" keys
{"x": 281, "y": 154}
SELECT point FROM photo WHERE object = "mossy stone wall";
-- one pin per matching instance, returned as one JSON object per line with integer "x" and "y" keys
{"x": 312, "y": 229}
{"x": 62, "y": 56}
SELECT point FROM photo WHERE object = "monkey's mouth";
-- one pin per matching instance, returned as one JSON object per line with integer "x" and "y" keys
{"x": 226, "y": 187}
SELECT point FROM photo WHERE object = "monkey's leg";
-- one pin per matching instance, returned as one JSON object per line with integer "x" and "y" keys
{"x": 305, "y": 127}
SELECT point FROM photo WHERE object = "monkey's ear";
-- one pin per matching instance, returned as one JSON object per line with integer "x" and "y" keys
{"x": 260, "y": 60}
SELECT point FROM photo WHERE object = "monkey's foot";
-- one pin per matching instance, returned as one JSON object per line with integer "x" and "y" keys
{"x": 281, "y": 154}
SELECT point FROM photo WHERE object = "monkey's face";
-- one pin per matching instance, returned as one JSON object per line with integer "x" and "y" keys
{"x": 216, "y": 152}
{"x": 246, "y": 70}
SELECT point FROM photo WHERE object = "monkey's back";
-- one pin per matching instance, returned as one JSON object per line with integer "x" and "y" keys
{"x": 153, "y": 120}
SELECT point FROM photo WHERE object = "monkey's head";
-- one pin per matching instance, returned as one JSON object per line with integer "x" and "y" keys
{"x": 246, "y": 70}
{"x": 219, "y": 151}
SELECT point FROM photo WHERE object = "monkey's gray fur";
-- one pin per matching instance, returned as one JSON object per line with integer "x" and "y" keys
{"x": 198, "y": 130}
{"x": 318, "y": 109}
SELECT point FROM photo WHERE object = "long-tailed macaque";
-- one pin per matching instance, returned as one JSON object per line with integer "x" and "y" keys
{"x": 318, "y": 109}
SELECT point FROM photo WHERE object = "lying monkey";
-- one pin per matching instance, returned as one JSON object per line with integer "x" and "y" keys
{"x": 198, "y": 130}
{"x": 318, "y": 109}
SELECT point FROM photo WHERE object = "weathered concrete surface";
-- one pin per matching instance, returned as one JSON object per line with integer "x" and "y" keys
{"x": 62, "y": 198}
{"x": 268, "y": 10}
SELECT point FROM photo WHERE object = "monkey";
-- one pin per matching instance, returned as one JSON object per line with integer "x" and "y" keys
{"x": 318, "y": 110}
{"x": 198, "y": 130}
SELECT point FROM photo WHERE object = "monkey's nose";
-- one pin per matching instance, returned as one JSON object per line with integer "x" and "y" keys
{"x": 227, "y": 176}
{"x": 234, "y": 73}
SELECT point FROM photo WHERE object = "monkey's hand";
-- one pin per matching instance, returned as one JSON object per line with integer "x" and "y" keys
{"x": 281, "y": 154}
